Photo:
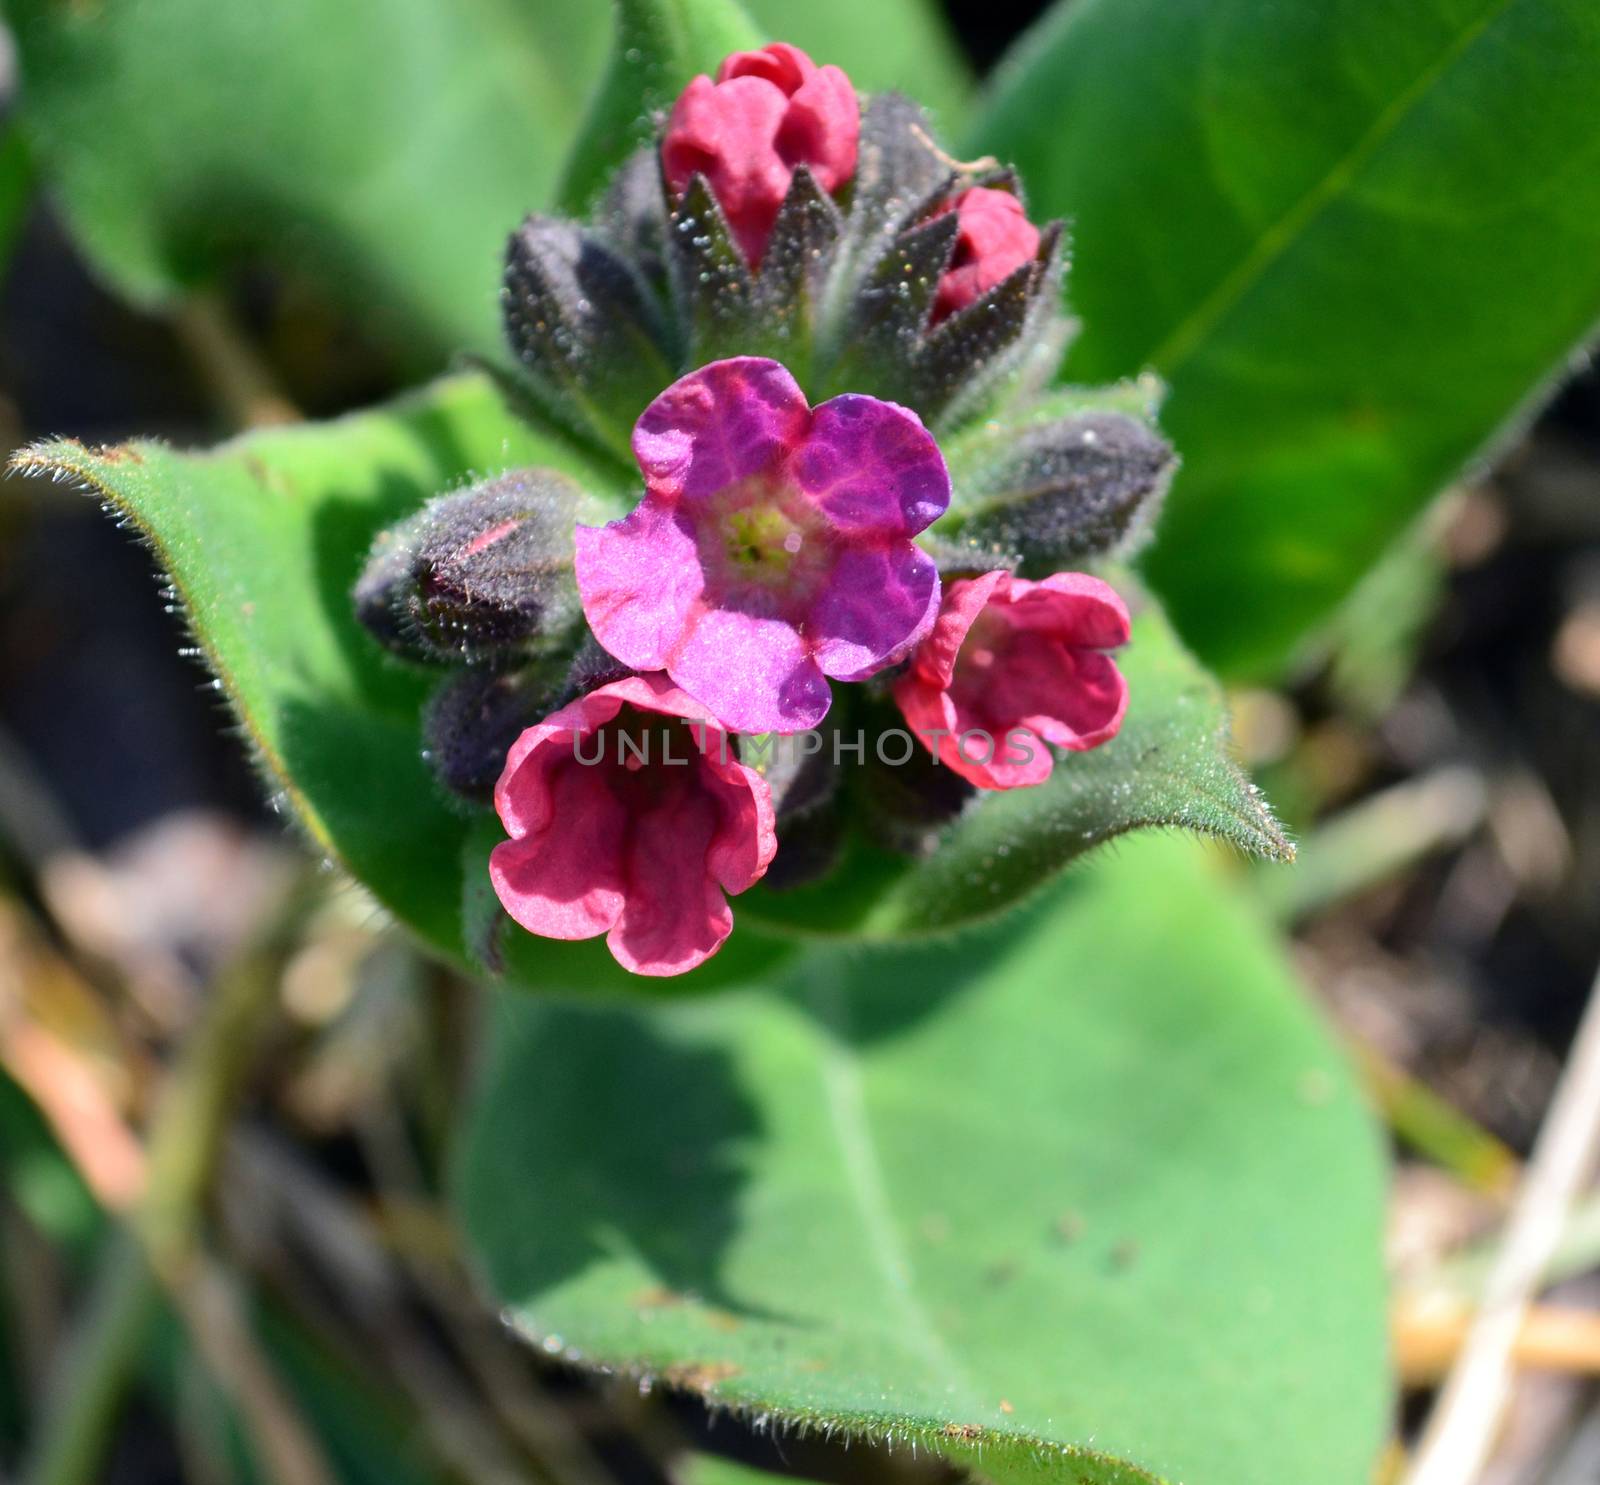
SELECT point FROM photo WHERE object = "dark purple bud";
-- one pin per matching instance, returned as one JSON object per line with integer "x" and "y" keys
{"x": 964, "y": 357}
{"x": 794, "y": 273}
{"x": 903, "y": 334}
{"x": 477, "y": 574}
{"x": 633, "y": 215}
{"x": 472, "y": 719}
{"x": 585, "y": 329}
{"x": 379, "y": 593}
{"x": 900, "y": 174}
{"x": 590, "y": 668}
{"x": 804, "y": 773}
{"x": 1081, "y": 487}
{"x": 809, "y": 846}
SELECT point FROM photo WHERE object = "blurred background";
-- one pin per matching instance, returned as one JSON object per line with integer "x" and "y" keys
{"x": 1438, "y": 755}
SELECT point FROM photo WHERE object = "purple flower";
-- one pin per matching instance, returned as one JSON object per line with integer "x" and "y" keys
{"x": 772, "y": 548}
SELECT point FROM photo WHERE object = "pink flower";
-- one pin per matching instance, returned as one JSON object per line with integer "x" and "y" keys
{"x": 630, "y": 816}
{"x": 994, "y": 239}
{"x": 1010, "y": 662}
{"x": 772, "y": 548}
{"x": 767, "y": 112}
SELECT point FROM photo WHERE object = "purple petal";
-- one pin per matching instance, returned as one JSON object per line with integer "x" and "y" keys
{"x": 726, "y": 422}
{"x": 879, "y": 602}
{"x": 753, "y": 674}
{"x": 640, "y": 581}
{"x": 872, "y": 467}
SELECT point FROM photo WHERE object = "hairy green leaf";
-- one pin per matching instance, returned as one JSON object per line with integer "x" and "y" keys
{"x": 1086, "y": 1198}
{"x": 262, "y": 539}
{"x": 1168, "y": 766}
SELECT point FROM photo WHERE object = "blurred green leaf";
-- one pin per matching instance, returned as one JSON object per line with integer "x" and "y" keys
{"x": 1083, "y": 1196}
{"x": 39, "y": 1179}
{"x": 1355, "y": 239}
{"x": 1169, "y": 765}
{"x": 714, "y": 1469}
{"x": 386, "y": 147}
{"x": 16, "y": 188}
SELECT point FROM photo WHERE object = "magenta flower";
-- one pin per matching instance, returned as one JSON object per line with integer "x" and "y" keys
{"x": 767, "y": 112}
{"x": 630, "y": 815}
{"x": 994, "y": 239}
{"x": 1012, "y": 665}
{"x": 772, "y": 548}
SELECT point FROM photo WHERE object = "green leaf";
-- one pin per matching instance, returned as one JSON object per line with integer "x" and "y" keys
{"x": 16, "y": 189}
{"x": 384, "y": 147}
{"x": 368, "y": 1437}
{"x": 714, "y": 1469}
{"x": 1169, "y": 765}
{"x": 659, "y": 46}
{"x": 262, "y": 539}
{"x": 1353, "y": 260}
{"x": 1080, "y": 1198}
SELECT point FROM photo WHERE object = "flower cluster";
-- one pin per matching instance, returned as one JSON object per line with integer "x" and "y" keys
{"x": 825, "y": 347}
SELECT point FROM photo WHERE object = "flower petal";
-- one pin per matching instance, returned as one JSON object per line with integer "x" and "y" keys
{"x": 783, "y": 65}
{"x": 753, "y": 674}
{"x": 675, "y": 916}
{"x": 1072, "y": 697}
{"x": 728, "y": 421}
{"x": 963, "y": 601}
{"x": 879, "y": 602}
{"x": 564, "y": 880}
{"x": 746, "y": 838}
{"x": 822, "y": 127}
{"x": 744, "y": 843}
{"x": 996, "y": 238}
{"x": 728, "y": 132}
{"x": 1084, "y": 610}
{"x": 639, "y": 580}
{"x": 871, "y": 467}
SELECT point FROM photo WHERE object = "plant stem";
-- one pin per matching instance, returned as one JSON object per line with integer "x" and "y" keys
{"x": 160, "y": 1250}
{"x": 85, "y": 1396}
{"x": 1461, "y": 1431}
{"x": 244, "y": 388}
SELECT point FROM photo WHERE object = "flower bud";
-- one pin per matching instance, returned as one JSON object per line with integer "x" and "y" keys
{"x": 476, "y": 574}
{"x": 584, "y": 328}
{"x": 472, "y": 719}
{"x": 994, "y": 238}
{"x": 1082, "y": 486}
{"x": 900, "y": 175}
{"x": 379, "y": 594}
{"x": 955, "y": 299}
{"x": 768, "y": 112}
